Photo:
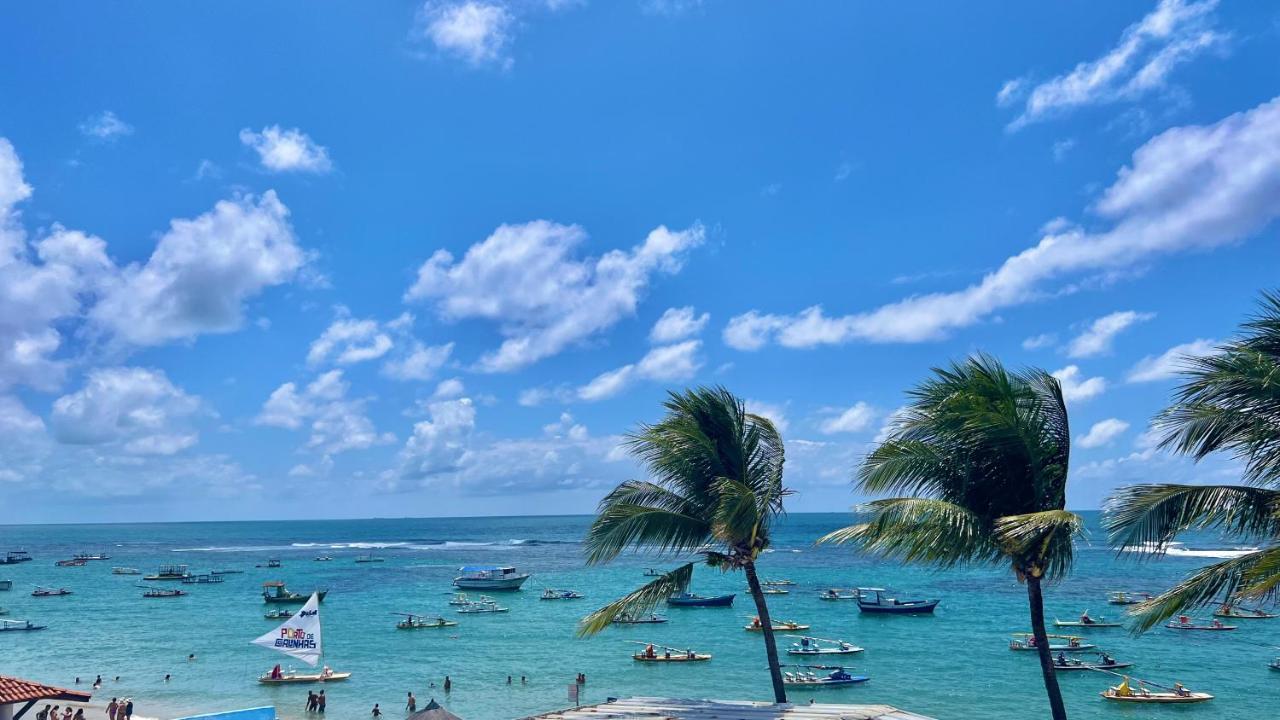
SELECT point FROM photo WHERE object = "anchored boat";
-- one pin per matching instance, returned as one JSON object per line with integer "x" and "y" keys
{"x": 1027, "y": 642}
{"x": 73, "y": 562}
{"x": 169, "y": 572}
{"x": 552, "y": 594}
{"x": 1175, "y": 695}
{"x": 49, "y": 592}
{"x": 771, "y": 590}
{"x": 807, "y": 678}
{"x": 125, "y": 571}
{"x": 278, "y": 614}
{"x": 162, "y": 592}
{"x": 483, "y": 605}
{"x": 490, "y": 577}
{"x": 1086, "y": 621}
{"x": 874, "y": 600}
{"x": 369, "y": 558}
{"x": 13, "y": 557}
{"x": 271, "y": 563}
{"x": 299, "y": 637}
{"x": 655, "y": 653}
{"x": 1186, "y": 623}
{"x": 688, "y": 599}
{"x": 1239, "y": 613}
{"x": 628, "y": 619}
{"x": 1062, "y": 663}
{"x": 814, "y": 646}
{"x": 206, "y": 579}
{"x": 417, "y": 622}
{"x": 91, "y": 556}
{"x": 1120, "y": 597}
{"x": 778, "y": 625}
{"x": 274, "y": 591}
{"x": 837, "y": 594}
{"x": 19, "y": 626}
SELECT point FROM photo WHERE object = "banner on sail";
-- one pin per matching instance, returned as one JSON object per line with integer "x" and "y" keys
{"x": 299, "y": 636}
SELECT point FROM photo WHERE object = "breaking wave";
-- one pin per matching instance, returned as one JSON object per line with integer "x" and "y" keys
{"x": 1177, "y": 549}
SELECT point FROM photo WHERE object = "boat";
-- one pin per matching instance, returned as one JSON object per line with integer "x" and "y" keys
{"x": 1086, "y": 621}
{"x": 270, "y": 563}
{"x": 835, "y": 594}
{"x": 1178, "y": 695}
{"x": 162, "y": 592}
{"x": 417, "y": 622}
{"x": 777, "y": 583}
{"x": 1239, "y": 613}
{"x": 13, "y": 557}
{"x": 687, "y": 599}
{"x": 1184, "y": 622}
{"x": 73, "y": 562}
{"x": 778, "y": 625}
{"x": 1027, "y": 642}
{"x": 168, "y": 572}
{"x": 807, "y": 678}
{"x": 299, "y": 637}
{"x": 274, "y": 591}
{"x": 278, "y": 614}
{"x": 125, "y": 571}
{"x": 551, "y": 594}
{"x": 369, "y": 558}
{"x": 874, "y": 600}
{"x": 482, "y": 606}
{"x": 460, "y": 599}
{"x": 489, "y": 577}
{"x": 1274, "y": 664}
{"x": 206, "y": 579}
{"x": 770, "y": 590}
{"x": 814, "y": 646}
{"x": 49, "y": 592}
{"x": 323, "y": 558}
{"x": 19, "y": 626}
{"x": 91, "y": 556}
{"x": 1062, "y": 663}
{"x": 226, "y": 572}
{"x": 662, "y": 653}
{"x": 653, "y": 572}
{"x": 628, "y": 619}
{"x": 1120, "y": 597}
{"x": 6, "y": 585}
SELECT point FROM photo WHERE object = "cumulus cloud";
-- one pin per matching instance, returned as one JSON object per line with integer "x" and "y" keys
{"x": 1038, "y": 342}
{"x": 136, "y": 408}
{"x": 774, "y": 413}
{"x": 438, "y": 445}
{"x": 678, "y": 324}
{"x": 1174, "y": 33}
{"x": 349, "y": 341}
{"x": 854, "y": 419}
{"x": 1102, "y": 433}
{"x": 1097, "y": 338}
{"x": 661, "y": 364}
{"x": 287, "y": 150}
{"x": 1168, "y": 364}
{"x": 336, "y": 423}
{"x": 1190, "y": 188}
{"x": 475, "y": 31}
{"x": 105, "y": 126}
{"x": 527, "y": 279}
{"x": 1076, "y": 387}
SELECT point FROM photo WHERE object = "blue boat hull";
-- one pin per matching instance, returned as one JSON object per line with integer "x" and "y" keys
{"x": 916, "y": 607}
{"x": 721, "y": 601}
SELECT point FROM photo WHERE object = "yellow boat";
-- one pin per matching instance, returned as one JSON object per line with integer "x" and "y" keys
{"x": 783, "y": 626}
{"x": 1179, "y": 695}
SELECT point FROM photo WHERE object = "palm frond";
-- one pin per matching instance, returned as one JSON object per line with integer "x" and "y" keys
{"x": 621, "y": 523}
{"x": 640, "y": 602}
{"x": 1043, "y": 540}
{"x": 1150, "y": 516}
{"x": 920, "y": 530}
{"x": 1253, "y": 577}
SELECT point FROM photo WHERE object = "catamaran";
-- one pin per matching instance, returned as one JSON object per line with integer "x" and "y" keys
{"x": 653, "y": 652}
{"x": 299, "y": 638}
{"x": 416, "y": 622}
{"x": 815, "y": 646}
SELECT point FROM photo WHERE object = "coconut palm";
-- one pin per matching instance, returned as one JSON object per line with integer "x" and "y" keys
{"x": 715, "y": 492}
{"x": 981, "y": 455}
{"x": 1229, "y": 402}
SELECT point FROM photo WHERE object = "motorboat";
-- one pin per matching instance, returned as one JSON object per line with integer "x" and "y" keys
{"x": 168, "y": 572}
{"x": 778, "y": 625}
{"x": 836, "y": 594}
{"x": 628, "y": 619}
{"x": 49, "y": 592}
{"x": 875, "y": 600}
{"x": 274, "y": 591}
{"x": 1120, "y": 597}
{"x": 1184, "y": 622}
{"x": 13, "y": 557}
{"x": 125, "y": 571}
{"x": 552, "y": 594}
{"x": 819, "y": 646}
{"x": 688, "y": 599}
{"x": 91, "y": 556}
{"x": 1086, "y": 621}
{"x": 417, "y": 622}
{"x": 489, "y": 577}
{"x": 1236, "y": 612}
{"x": 206, "y": 579}
{"x": 19, "y": 626}
{"x": 482, "y": 606}
{"x": 782, "y": 582}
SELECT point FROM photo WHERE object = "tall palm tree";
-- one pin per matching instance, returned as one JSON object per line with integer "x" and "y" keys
{"x": 1229, "y": 402}
{"x": 716, "y": 490}
{"x": 981, "y": 455}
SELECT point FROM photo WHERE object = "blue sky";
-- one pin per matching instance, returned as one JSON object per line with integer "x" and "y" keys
{"x": 298, "y": 260}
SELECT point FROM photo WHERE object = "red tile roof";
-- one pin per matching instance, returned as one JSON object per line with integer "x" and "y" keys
{"x": 16, "y": 690}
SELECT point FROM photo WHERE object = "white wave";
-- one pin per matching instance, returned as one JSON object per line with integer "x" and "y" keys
{"x": 1177, "y": 549}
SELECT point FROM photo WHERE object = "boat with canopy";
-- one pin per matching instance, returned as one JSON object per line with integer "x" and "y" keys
{"x": 205, "y": 579}
{"x": 490, "y": 577}
{"x": 19, "y": 626}
{"x": 270, "y": 563}
{"x": 653, "y": 652}
{"x": 1184, "y": 622}
{"x": 874, "y": 600}
{"x": 299, "y": 637}
{"x": 412, "y": 621}
{"x": 629, "y": 619}
{"x": 1086, "y": 621}
{"x": 1027, "y": 642}
{"x": 553, "y": 594}
{"x": 688, "y": 599}
{"x": 778, "y": 625}
{"x": 1236, "y": 612}
{"x": 155, "y": 592}
{"x": 1178, "y": 694}
{"x": 168, "y": 572}
{"x": 49, "y": 592}
{"x": 835, "y": 676}
{"x": 274, "y": 591}
{"x": 809, "y": 645}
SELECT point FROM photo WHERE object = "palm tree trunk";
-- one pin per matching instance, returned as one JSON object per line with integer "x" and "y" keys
{"x": 766, "y": 623}
{"x": 1036, "y": 600}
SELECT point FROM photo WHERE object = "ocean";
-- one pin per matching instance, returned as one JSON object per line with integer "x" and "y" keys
{"x": 954, "y": 664}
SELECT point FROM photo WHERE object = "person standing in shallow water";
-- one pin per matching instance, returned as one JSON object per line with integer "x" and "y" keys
{"x": 448, "y": 684}
{"x": 320, "y": 701}
{"x": 412, "y": 704}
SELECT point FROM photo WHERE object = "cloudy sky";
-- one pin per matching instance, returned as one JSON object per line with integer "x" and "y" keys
{"x": 350, "y": 259}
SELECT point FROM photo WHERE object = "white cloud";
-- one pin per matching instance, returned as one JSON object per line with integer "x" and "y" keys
{"x": 843, "y": 171}
{"x": 105, "y": 126}
{"x": 1038, "y": 342}
{"x": 774, "y": 413}
{"x": 1076, "y": 387}
{"x": 1189, "y": 188}
{"x": 287, "y": 150}
{"x": 439, "y": 444}
{"x": 851, "y": 420}
{"x": 1102, "y": 433}
{"x": 608, "y": 384}
{"x": 661, "y": 364}
{"x": 669, "y": 8}
{"x": 337, "y": 423}
{"x": 678, "y": 324}
{"x": 350, "y": 341}
{"x": 1174, "y": 33}
{"x": 1168, "y": 364}
{"x": 202, "y": 272}
{"x": 420, "y": 362}
{"x": 136, "y": 408}
{"x": 1062, "y": 148}
{"x": 476, "y": 31}
{"x": 1096, "y": 339}
{"x": 449, "y": 388}
{"x": 526, "y": 279}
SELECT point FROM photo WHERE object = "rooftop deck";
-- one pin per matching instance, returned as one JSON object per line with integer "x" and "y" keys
{"x": 654, "y": 708}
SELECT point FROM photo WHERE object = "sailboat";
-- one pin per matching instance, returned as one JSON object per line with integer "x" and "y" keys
{"x": 299, "y": 638}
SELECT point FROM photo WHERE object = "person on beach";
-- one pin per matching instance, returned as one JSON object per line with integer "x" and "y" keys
{"x": 53, "y": 714}
{"x": 112, "y": 707}
{"x": 320, "y": 701}
{"x": 43, "y": 714}
{"x": 79, "y": 714}
{"x": 128, "y": 709}
{"x": 66, "y": 713}
{"x": 412, "y": 705}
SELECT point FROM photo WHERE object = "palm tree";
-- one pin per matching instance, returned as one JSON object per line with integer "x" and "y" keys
{"x": 716, "y": 491}
{"x": 981, "y": 455}
{"x": 1229, "y": 402}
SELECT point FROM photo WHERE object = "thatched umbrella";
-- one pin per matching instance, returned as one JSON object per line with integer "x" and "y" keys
{"x": 433, "y": 711}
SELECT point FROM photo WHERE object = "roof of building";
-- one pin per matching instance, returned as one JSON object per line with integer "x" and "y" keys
{"x": 647, "y": 708}
{"x": 17, "y": 690}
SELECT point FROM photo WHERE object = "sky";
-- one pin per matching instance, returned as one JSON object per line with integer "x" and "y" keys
{"x": 288, "y": 260}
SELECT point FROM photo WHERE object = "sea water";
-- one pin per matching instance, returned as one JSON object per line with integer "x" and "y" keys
{"x": 953, "y": 664}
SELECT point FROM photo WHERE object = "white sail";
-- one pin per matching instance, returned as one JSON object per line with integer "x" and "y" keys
{"x": 299, "y": 636}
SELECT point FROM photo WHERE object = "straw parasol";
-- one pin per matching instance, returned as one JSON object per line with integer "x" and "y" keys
{"x": 433, "y": 711}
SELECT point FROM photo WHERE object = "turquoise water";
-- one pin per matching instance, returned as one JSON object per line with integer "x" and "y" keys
{"x": 953, "y": 665}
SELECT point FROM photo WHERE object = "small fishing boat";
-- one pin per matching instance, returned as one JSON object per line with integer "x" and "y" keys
{"x": 1184, "y": 622}
{"x": 836, "y": 594}
{"x": 278, "y": 614}
{"x": 489, "y": 577}
{"x": 874, "y": 600}
{"x": 628, "y": 619}
{"x": 125, "y": 571}
{"x": 299, "y": 637}
{"x": 1027, "y": 642}
{"x": 91, "y": 556}
{"x": 417, "y": 622}
{"x": 73, "y": 562}
{"x": 323, "y": 558}
{"x": 661, "y": 653}
{"x": 460, "y": 599}
{"x": 688, "y": 599}
{"x": 226, "y": 572}
{"x": 835, "y": 678}
{"x": 1120, "y": 597}
{"x": 1062, "y": 663}
{"x": 162, "y": 592}
{"x": 770, "y": 590}
{"x": 552, "y": 594}
{"x": 49, "y": 592}
{"x": 482, "y": 606}
{"x": 369, "y": 558}
{"x": 1176, "y": 695}
{"x": 1086, "y": 621}
{"x": 274, "y": 591}
{"x": 778, "y": 625}
{"x": 653, "y": 572}
{"x": 1274, "y": 664}
{"x": 783, "y": 582}
{"x": 13, "y": 557}
{"x": 168, "y": 572}
{"x": 1238, "y": 613}
{"x": 815, "y": 646}
{"x": 6, "y": 585}
{"x": 206, "y": 579}
{"x": 270, "y": 563}
{"x": 292, "y": 677}
{"x": 19, "y": 626}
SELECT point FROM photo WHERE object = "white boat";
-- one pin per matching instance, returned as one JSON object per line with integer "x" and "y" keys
{"x": 299, "y": 637}
{"x": 836, "y": 594}
{"x": 819, "y": 646}
{"x": 412, "y": 621}
{"x": 19, "y": 626}
{"x": 837, "y": 677}
{"x": 125, "y": 571}
{"x": 1026, "y": 642}
{"x": 553, "y": 594}
{"x": 656, "y": 653}
{"x": 460, "y": 599}
{"x": 482, "y": 605}
{"x": 490, "y": 577}
{"x": 1178, "y": 695}
{"x": 1086, "y": 621}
